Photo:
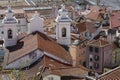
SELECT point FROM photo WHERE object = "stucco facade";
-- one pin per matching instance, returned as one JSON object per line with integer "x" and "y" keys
{"x": 25, "y": 60}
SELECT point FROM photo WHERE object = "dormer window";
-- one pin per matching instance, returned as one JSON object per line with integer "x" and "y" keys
{"x": 10, "y": 34}
{"x": 63, "y": 32}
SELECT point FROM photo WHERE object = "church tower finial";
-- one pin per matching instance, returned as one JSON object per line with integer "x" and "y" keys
{"x": 9, "y": 9}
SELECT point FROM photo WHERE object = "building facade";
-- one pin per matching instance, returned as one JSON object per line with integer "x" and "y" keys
{"x": 98, "y": 55}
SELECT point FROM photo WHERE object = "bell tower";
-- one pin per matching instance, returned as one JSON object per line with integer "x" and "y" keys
{"x": 63, "y": 23}
{"x": 10, "y": 28}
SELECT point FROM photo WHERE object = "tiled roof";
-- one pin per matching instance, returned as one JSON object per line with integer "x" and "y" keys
{"x": 81, "y": 27}
{"x": 111, "y": 75}
{"x": 94, "y": 13}
{"x": 80, "y": 72}
{"x": 90, "y": 27}
{"x": 47, "y": 66}
{"x": 86, "y": 26}
{"x": 45, "y": 63}
{"x": 99, "y": 42}
{"x": 115, "y": 19}
{"x": 35, "y": 41}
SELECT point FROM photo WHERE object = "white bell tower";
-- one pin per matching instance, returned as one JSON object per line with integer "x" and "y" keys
{"x": 10, "y": 28}
{"x": 36, "y": 23}
{"x": 63, "y": 23}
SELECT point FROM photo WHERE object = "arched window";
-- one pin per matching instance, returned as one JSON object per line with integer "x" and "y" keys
{"x": 9, "y": 34}
{"x": 63, "y": 32}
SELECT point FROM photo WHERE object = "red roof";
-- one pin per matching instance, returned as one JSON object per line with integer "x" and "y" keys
{"x": 115, "y": 19}
{"x": 99, "y": 42}
{"x": 94, "y": 13}
{"x": 111, "y": 75}
{"x": 35, "y": 41}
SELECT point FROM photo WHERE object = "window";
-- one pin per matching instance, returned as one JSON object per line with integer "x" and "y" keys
{"x": 96, "y": 49}
{"x": 91, "y": 49}
{"x": 18, "y": 21}
{"x": 91, "y": 59}
{"x": 1, "y": 16}
{"x": 63, "y": 32}
{"x": 91, "y": 67}
{"x": 2, "y": 32}
{"x": 96, "y": 58}
{"x": 96, "y": 65}
{"x": 10, "y": 34}
{"x": 51, "y": 78}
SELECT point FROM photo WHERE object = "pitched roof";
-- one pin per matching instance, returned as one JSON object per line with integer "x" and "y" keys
{"x": 47, "y": 66}
{"x": 86, "y": 26}
{"x": 115, "y": 19}
{"x": 81, "y": 27}
{"x": 44, "y": 64}
{"x": 99, "y": 42}
{"x": 90, "y": 27}
{"x": 94, "y": 13}
{"x": 35, "y": 41}
{"x": 80, "y": 72}
{"x": 111, "y": 75}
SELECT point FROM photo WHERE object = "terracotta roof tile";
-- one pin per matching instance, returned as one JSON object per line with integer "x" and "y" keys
{"x": 81, "y": 27}
{"x": 86, "y": 26}
{"x": 90, "y": 27}
{"x": 94, "y": 14}
{"x": 46, "y": 63}
{"x": 115, "y": 19}
{"x": 72, "y": 71}
{"x": 99, "y": 42}
{"x": 111, "y": 75}
{"x": 35, "y": 41}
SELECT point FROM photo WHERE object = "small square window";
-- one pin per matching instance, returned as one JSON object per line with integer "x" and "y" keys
{"x": 96, "y": 58}
{"x": 91, "y": 49}
{"x": 96, "y": 49}
{"x": 91, "y": 67}
{"x": 2, "y": 32}
{"x": 96, "y": 66}
{"x": 91, "y": 59}
{"x": 2, "y": 16}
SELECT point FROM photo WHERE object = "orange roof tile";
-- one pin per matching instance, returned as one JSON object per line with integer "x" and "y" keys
{"x": 111, "y": 75}
{"x": 99, "y": 42}
{"x": 35, "y": 41}
{"x": 81, "y": 27}
{"x": 94, "y": 13}
{"x": 115, "y": 19}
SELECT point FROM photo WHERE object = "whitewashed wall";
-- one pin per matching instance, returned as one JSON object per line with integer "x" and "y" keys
{"x": 25, "y": 61}
{"x": 22, "y": 25}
